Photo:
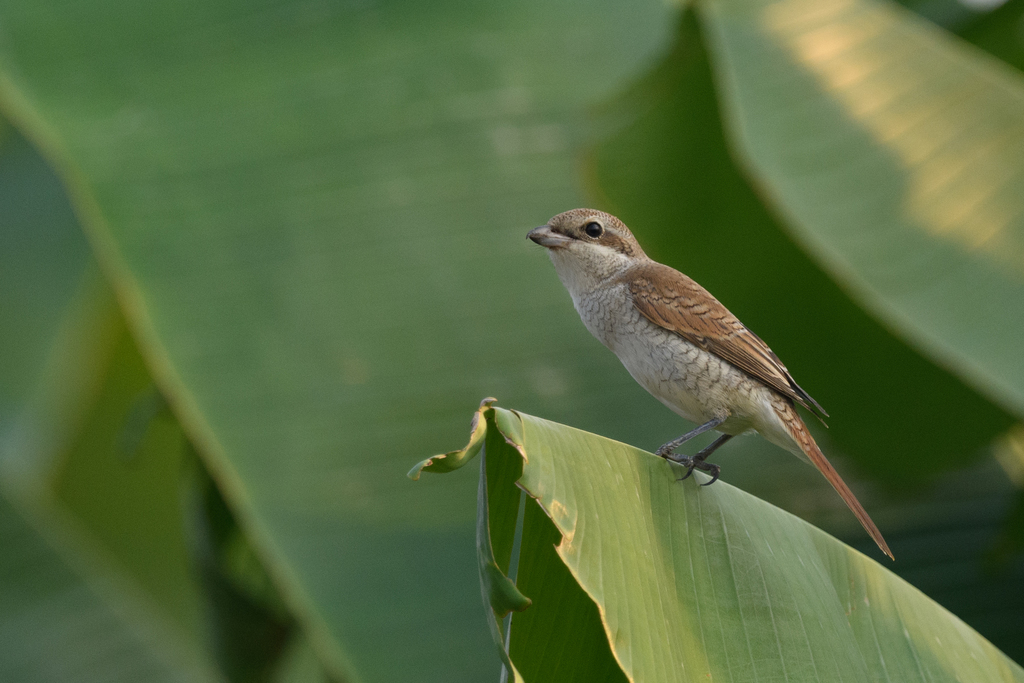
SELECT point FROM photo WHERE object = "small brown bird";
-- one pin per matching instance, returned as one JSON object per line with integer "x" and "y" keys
{"x": 683, "y": 346}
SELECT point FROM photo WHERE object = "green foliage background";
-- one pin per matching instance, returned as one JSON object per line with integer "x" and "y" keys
{"x": 286, "y": 254}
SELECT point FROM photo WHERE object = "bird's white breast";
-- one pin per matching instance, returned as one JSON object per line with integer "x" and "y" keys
{"x": 694, "y": 383}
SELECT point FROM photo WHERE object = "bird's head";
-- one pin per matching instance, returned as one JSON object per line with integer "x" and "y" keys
{"x": 587, "y": 247}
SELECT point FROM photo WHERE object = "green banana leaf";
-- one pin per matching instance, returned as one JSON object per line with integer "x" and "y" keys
{"x": 896, "y": 152}
{"x": 59, "y": 621}
{"x": 296, "y": 205}
{"x": 313, "y": 216}
{"x": 94, "y": 584}
{"x": 691, "y": 583}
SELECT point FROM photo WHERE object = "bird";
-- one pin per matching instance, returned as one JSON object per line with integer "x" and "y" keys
{"x": 683, "y": 346}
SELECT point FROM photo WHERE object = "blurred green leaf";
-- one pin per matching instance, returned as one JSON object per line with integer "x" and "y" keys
{"x": 999, "y": 32}
{"x": 43, "y": 261}
{"x": 131, "y": 508}
{"x": 56, "y": 626}
{"x": 300, "y": 664}
{"x": 895, "y": 151}
{"x": 314, "y": 218}
{"x": 248, "y": 628}
{"x": 695, "y": 583}
{"x": 309, "y": 213}
{"x": 74, "y": 607}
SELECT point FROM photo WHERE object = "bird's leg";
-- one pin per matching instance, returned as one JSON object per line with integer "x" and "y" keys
{"x": 667, "y": 449}
{"x": 696, "y": 462}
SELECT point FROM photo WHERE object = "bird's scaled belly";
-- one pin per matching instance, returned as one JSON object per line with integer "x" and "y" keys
{"x": 675, "y": 372}
{"x": 672, "y": 369}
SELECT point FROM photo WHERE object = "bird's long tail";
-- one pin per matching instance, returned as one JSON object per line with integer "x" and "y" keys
{"x": 798, "y": 430}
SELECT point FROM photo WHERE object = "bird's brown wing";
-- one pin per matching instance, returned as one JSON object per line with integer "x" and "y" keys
{"x": 673, "y": 301}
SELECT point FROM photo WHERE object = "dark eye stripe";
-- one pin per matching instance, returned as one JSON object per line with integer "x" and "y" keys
{"x": 617, "y": 243}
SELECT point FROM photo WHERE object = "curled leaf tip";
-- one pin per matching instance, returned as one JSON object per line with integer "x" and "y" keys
{"x": 453, "y": 460}
{"x": 414, "y": 473}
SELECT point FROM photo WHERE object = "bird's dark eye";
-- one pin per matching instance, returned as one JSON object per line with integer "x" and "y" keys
{"x": 593, "y": 229}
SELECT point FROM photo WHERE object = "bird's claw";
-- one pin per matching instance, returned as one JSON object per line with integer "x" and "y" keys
{"x": 692, "y": 463}
{"x": 714, "y": 471}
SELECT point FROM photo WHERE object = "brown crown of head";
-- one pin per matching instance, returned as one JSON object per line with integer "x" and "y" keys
{"x": 609, "y": 231}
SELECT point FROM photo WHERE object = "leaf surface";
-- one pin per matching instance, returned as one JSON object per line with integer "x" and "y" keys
{"x": 896, "y": 151}
{"x": 693, "y": 582}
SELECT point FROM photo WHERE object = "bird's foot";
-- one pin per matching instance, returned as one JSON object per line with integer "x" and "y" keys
{"x": 695, "y": 462}
{"x": 698, "y": 461}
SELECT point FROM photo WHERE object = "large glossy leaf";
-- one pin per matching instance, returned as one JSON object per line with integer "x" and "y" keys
{"x": 693, "y": 583}
{"x": 70, "y": 608}
{"x": 308, "y": 212}
{"x": 896, "y": 152}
